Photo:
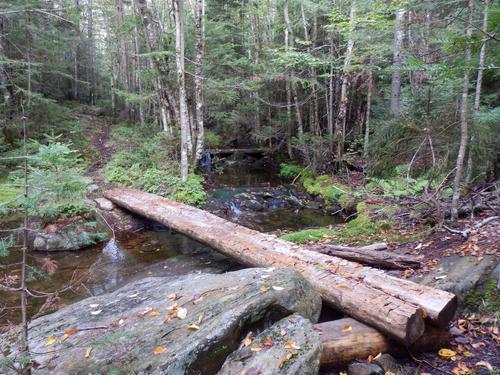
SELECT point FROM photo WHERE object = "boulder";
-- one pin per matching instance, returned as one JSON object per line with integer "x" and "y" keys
{"x": 71, "y": 237}
{"x": 460, "y": 274}
{"x": 359, "y": 368}
{"x": 387, "y": 362}
{"x": 163, "y": 325}
{"x": 290, "y": 346}
{"x": 104, "y": 204}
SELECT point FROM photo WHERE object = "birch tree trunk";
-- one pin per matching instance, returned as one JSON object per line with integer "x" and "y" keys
{"x": 463, "y": 118}
{"x": 396, "y": 63}
{"x": 178, "y": 7}
{"x": 138, "y": 80}
{"x": 477, "y": 96}
{"x": 256, "y": 61}
{"x": 198, "y": 79}
{"x": 344, "y": 93}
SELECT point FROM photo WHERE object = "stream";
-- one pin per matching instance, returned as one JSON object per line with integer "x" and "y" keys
{"x": 251, "y": 196}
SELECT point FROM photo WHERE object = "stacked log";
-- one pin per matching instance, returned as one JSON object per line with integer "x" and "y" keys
{"x": 394, "y": 306}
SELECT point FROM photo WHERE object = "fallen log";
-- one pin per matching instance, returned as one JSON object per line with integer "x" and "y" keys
{"x": 345, "y": 340}
{"x": 383, "y": 259}
{"x": 396, "y": 307}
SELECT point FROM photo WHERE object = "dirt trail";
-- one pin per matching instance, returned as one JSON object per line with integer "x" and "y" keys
{"x": 97, "y": 132}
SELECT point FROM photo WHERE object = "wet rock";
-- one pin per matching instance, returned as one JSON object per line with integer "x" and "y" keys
{"x": 496, "y": 275}
{"x": 358, "y": 368}
{"x": 92, "y": 188}
{"x": 291, "y": 346}
{"x": 104, "y": 204}
{"x": 73, "y": 236}
{"x": 125, "y": 329}
{"x": 460, "y": 275}
{"x": 387, "y": 362}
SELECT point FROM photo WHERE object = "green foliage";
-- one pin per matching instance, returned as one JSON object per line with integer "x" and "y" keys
{"x": 397, "y": 187}
{"x": 324, "y": 187}
{"x": 213, "y": 140}
{"x": 291, "y": 171}
{"x": 147, "y": 162}
{"x": 308, "y": 235}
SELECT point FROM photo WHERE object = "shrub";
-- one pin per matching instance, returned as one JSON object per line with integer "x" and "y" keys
{"x": 291, "y": 171}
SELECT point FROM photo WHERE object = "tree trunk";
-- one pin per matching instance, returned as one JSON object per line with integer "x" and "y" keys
{"x": 178, "y": 6}
{"x": 368, "y": 108}
{"x": 394, "y": 306}
{"x": 344, "y": 93}
{"x": 256, "y": 61}
{"x": 463, "y": 118}
{"x": 138, "y": 80}
{"x": 76, "y": 62}
{"x": 380, "y": 259}
{"x": 477, "y": 96}
{"x": 198, "y": 79}
{"x": 90, "y": 68}
{"x": 123, "y": 56}
{"x": 300, "y": 127}
{"x": 345, "y": 340}
{"x": 396, "y": 63}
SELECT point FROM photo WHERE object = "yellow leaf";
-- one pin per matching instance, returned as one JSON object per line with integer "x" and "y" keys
{"x": 64, "y": 337}
{"x": 182, "y": 313}
{"x": 88, "y": 351}
{"x": 446, "y": 353}
{"x": 342, "y": 373}
{"x": 50, "y": 340}
{"x": 71, "y": 331}
{"x": 154, "y": 314}
{"x": 256, "y": 348}
{"x": 264, "y": 288}
{"x": 248, "y": 340}
{"x": 346, "y": 328}
{"x": 193, "y": 327}
{"x": 159, "y": 349}
{"x": 289, "y": 344}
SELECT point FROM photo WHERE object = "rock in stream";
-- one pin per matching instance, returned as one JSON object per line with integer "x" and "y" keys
{"x": 158, "y": 325}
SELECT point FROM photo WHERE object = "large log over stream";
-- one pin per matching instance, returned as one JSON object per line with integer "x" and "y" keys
{"x": 394, "y": 306}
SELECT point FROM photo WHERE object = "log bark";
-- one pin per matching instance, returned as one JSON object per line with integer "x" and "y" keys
{"x": 394, "y": 306}
{"x": 383, "y": 259}
{"x": 345, "y": 340}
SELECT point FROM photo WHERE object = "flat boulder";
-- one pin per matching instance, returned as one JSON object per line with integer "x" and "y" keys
{"x": 161, "y": 325}
{"x": 290, "y": 346}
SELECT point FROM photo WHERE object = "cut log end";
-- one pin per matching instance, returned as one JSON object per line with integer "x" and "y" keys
{"x": 446, "y": 313}
{"x": 415, "y": 328}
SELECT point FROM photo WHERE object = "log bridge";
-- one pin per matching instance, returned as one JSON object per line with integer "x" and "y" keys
{"x": 398, "y": 308}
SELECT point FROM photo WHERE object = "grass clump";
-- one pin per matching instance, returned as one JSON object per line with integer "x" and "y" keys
{"x": 308, "y": 235}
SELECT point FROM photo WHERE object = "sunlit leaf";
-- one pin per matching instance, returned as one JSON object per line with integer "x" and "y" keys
{"x": 193, "y": 327}
{"x": 50, "y": 340}
{"x": 159, "y": 350}
{"x": 446, "y": 353}
{"x": 182, "y": 313}
{"x": 256, "y": 348}
{"x": 88, "y": 351}
{"x": 346, "y": 328}
{"x": 264, "y": 288}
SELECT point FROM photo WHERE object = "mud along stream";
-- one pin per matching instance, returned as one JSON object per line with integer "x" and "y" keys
{"x": 247, "y": 194}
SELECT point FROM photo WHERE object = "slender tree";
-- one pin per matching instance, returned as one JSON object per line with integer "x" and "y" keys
{"x": 463, "y": 116}
{"x": 396, "y": 63}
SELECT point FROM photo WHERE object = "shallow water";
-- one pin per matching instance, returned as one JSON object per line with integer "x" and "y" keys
{"x": 157, "y": 252}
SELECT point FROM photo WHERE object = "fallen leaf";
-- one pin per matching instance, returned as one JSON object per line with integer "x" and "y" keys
{"x": 248, "y": 340}
{"x": 485, "y": 364}
{"x": 291, "y": 345}
{"x": 159, "y": 349}
{"x": 342, "y": 373}
{"x": 154, "y": 313}
{"x": 193, "y": 327}
{"x": 88, "y": 351}
{"x": 346, "y": 328}
{"x": 265, "y": 276}
{"x": 267, "y": 342}
{"x": 64, "y": 337}
{"x": 133, "y": 295}
{"x": 96, "y": 312}
{"x": 94, "y": 305}
{"x": 71, "y": 331}
{"x": 201, "y": 317}
{"x": 120, "y": 322}
{"x": 264, "y": 288}
{"x": 282, "y": 332}
{"x": 256, "y": 348}
{"x": 172, "y": 296}
{"x": 182, "y": 313}
{"x": 446, "y": 353}
{"x": 50, "y": 340}
{"x": 146, "y": 310}
{"x": 278, "y": 288}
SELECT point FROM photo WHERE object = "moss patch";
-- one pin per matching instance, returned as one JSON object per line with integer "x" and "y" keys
{"x": 309, "y": 235}
{"x": 486, "y": 299}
